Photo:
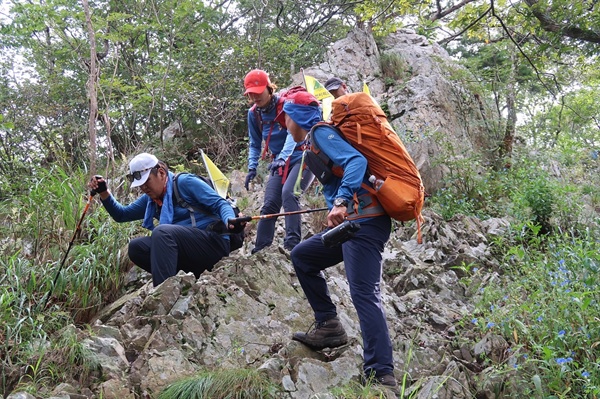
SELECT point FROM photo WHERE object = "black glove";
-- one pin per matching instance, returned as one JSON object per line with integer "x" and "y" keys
{"x": 237, "y": 228}
{"x": 250, "y": 176}
{"x": 101, "y": 186}
{"x": 276, "y": 165}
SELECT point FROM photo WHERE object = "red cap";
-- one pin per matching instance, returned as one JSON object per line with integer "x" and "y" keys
{"x": 256, "y": 81}
{"x": 299, "y": 96}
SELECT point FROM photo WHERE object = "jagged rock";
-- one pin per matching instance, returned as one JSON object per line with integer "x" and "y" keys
{"x": 69, "y": 391}
{"x": 492, "y": 346}
{"x": 20, "y": 395}
{"x": 429, "y": 109}
{"x": 452, "y": 384}
{"x": 116, "y": 389}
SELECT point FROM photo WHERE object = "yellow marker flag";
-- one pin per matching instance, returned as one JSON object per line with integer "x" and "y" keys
{"x": 219, "y": 180}
{"x": 366, "y": 88}
{"x": 314, "y": 87}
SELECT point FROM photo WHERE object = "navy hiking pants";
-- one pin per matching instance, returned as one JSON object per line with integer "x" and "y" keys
{"x": 362, "y": 261}
{"x": 171, "y": 248}
{"x": 276, "y": 195}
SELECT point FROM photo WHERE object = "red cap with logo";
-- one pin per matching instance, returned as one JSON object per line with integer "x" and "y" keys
{"x": 256, "y": 81}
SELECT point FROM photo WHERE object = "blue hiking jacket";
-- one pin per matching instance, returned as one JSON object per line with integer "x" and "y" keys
{"x": 281, "y": 144}
{"x": 343, "y": 154}
{"x": 192, "y": 190}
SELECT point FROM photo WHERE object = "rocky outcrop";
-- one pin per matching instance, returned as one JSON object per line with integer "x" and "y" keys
{"x": 243, "y": 313}
{"x": 431, "y": 107}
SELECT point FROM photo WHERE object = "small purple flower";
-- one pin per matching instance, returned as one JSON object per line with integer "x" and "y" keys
{"x": 562, "y": 360}
{"x": 490, "y": 324}
{"x": 561, "y": 333}
{"x": 540, "y": 318}
{"x": 474, "y": 321}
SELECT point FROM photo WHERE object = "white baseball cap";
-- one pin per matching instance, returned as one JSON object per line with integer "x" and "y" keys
{"x": 140, "y": 167}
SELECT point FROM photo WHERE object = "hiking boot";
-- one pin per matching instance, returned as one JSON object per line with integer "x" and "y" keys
{"x": 385, "y": 381}
{"x": 388, "y": 381}
{"x": 326, "y": 334}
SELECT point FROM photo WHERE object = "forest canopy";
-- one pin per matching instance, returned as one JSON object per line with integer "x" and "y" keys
{"x": 86, "y": 82}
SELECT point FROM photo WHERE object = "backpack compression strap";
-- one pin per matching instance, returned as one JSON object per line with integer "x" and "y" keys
{"x": 182, "y": 203}
{"x": 218, "y": 226}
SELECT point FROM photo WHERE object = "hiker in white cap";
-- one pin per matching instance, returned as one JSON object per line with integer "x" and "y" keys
{"x": 182, "y": 239}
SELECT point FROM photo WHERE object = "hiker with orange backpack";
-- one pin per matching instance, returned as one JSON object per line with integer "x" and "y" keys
{"x": 284, "y": 155}
{"x": 361, "y": 251}
{"x": 192, "y": 242}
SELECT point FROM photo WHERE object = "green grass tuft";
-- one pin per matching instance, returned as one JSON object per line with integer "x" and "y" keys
{"x": 223, "y": 384}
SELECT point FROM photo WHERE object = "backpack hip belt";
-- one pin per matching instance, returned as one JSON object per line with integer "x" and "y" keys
{"x": 364, "y": 206}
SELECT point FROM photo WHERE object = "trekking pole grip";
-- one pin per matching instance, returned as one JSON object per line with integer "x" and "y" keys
{"x": 239, "y": 220}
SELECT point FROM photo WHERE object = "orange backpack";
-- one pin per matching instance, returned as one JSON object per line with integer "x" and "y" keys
{"x": 363, "y": 124}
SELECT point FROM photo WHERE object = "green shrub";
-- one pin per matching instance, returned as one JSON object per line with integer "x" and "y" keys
{"x": 38, "y": 225}
{"x": 546, "y": 307}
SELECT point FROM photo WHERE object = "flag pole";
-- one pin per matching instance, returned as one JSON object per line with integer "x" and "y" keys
{"x": 304, "y": 78}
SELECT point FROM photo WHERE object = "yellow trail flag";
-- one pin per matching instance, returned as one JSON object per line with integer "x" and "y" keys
{"x": 219, "y": 180}
{"x": 314, "y": 87}
{"x": 366, "y": 88}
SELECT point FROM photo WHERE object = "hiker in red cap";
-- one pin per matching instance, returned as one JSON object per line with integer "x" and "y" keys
{"x": 284, "y": 156}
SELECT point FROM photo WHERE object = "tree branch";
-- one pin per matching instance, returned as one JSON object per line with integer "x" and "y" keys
{"x": 449, "y": 39}
{"x": 550, "y": 25}
{"x": 441, "y": 13}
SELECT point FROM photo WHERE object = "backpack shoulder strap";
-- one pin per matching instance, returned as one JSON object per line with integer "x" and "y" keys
{"x": 178, "y": 198}
{"x": 313, "y": 144}
{"x": 257, "y": 116}
{"x": 181, "y": 202}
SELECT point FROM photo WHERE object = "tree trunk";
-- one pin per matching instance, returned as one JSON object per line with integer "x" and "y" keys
{"x": 511, "y": 117}
{"x": 92, "y": 90}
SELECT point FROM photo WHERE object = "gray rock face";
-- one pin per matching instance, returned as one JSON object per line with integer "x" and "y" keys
{"x": 243, "y": 314}
{"x": 434, "y": 113}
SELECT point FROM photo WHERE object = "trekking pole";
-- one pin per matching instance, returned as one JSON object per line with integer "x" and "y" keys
{"x": 242, "y": 219}
{"x": 75, "y": 233}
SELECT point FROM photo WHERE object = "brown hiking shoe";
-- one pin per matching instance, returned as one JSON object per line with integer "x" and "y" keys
{"x": 388, "y": 381}
{"x": 327, "y": 334}
{"x": 385, "y": 381}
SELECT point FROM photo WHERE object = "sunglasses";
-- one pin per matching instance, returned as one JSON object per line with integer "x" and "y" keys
{"x": 137, "y": 175}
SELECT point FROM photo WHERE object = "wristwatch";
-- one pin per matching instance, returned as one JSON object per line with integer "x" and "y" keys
{"x": 340, "y": 202}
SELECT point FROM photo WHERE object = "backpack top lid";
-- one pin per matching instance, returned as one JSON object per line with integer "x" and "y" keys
{"x": 359, "y": 105}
